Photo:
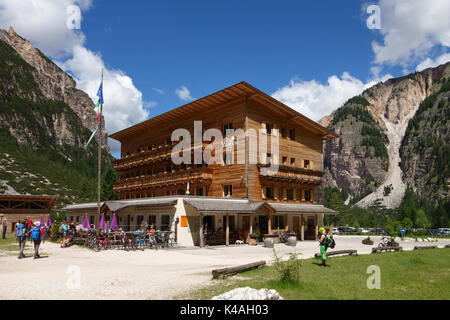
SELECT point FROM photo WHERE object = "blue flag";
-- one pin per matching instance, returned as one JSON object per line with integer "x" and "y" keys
{"x": 100, "y": 93}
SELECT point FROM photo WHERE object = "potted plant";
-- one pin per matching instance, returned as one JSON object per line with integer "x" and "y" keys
{"x": 367, "y": 241}
{"x": 276, "y": 238}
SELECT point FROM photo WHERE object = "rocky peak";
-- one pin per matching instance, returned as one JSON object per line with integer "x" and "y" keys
{"x": 54, "y": 83}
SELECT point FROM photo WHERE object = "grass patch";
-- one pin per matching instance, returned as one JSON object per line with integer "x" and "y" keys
{"x": 423, "y": 275}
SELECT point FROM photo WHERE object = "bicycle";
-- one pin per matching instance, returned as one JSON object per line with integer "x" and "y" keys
{"x": 104, "y": 242}
{"x": 93, "y": 243}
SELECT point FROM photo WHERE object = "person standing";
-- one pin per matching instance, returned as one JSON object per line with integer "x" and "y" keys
{"x": 36, "y": 237}
{"x": 5, "y": 226}
{"x": 322, "y": 238}
{"x": 21, "y": 237}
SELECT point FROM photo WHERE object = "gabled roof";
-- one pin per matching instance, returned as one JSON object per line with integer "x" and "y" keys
{"x": 239, "y": 90}
{"x": 224, "y": 205}
{"x": 300, "y": 208}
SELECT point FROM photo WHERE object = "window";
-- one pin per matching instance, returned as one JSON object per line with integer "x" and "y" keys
{"x": 284, "y": 161}
{"x": 283, "y": 132}
{"x": 181, "y": 192}
{"x": 151, "y": 220}
{"x": 306, "y": 164}
{"x": 278, "y": 222}
{"x": 292, "y": 134}
{"x": 165, "y": 222}
{"x": 78, "y": 219}
{"x": 199, "y": 191}
{"x": 227, "y": 126}
{"x": 269, "y": 193}
{"x": 149, "y": 172}
{"x": 169, "y": 169}
{"x": 138, "y": 150}
{"x": 293, "y": 162}
{"x": 168, "y": 193}
{"x": 128, "y": 153}
{"x": 307, "y": 195}
{"x": 289, "y": 194}
{"x": 227, "y": 190}
{"x": 268, "y": 128}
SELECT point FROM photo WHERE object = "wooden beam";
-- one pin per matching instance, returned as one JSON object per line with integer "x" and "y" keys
{"x": 227, "y": 231}
{"x": 201, "y": 230}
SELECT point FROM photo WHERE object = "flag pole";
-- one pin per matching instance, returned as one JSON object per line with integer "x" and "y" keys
{"x": 100, "y": 130}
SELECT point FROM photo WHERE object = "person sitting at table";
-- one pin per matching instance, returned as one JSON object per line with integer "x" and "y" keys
{"x": 152, "y": 230}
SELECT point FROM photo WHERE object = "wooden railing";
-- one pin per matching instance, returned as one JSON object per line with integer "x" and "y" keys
{"x": 146, "y": 157}
{"x": 184, "y": 176}
{"x": 294, "y": 174}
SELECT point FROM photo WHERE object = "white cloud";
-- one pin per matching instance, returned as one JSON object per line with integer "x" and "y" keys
{"x": 316, "y": 100}
{"x": 410, "y": 29}
{"x": 184, "y": 94}
{"x": 159, "y": 91}
{"x": 43, "y": 22}
{"x": 430, "y": 63}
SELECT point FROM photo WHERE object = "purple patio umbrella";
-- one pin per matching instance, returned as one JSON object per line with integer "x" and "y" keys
{"x": 102, "y": 225}
{"x": 114, "y": 226}
{"x": 86, "y": 222}
{"x": 49, "y": 221}
{"x": 42, "y": 221}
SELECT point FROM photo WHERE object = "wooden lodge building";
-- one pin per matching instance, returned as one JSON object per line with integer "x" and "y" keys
{"x": 16, "y": 208}
{"x": 230, "y": 199}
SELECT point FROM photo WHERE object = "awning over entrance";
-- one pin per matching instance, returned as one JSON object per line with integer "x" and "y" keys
{"x": 224, "y": 205}
{"x": 298, "y": 208}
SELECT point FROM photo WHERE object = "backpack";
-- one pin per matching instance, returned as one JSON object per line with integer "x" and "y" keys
{"x": 332, "y": 243}
{"x": 36, "y": 234}
{"x": 20, "y": 231}
{"x": 326, "y": 241}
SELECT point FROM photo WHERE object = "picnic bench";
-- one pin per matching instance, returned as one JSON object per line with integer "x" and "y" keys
{"x": 424, "y": 247}
{"x": 381, "y": 249}
{"x": 233, "y": 270}
{"x": 337, "y": 252}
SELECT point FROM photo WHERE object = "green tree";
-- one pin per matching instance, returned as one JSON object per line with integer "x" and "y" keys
{"x": 421, "y": 219}
{"x": 109, "y": 177}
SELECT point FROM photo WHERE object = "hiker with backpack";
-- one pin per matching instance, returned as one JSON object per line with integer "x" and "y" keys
{"x": 21, "y": 237}
{"x": 36, "y": 236}
{"x": 325, "y": 241}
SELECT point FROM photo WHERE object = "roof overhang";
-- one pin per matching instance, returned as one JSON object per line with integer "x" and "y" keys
{"x": 235, "y": 92}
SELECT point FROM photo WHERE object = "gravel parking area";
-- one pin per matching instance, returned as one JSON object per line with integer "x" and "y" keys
{"x": 151, "y": 274}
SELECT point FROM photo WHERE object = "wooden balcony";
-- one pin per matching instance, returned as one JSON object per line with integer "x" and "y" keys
{"x": 146, "y": 157}
{"x": 293, "y": 175}
{"x": 202, "y": 175}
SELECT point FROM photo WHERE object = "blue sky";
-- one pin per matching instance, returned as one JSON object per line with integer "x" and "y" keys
{"x": 158, "y": 55}
{"x": 208, "y": 45}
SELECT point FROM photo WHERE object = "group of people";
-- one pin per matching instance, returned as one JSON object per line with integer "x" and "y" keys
{"x": 68, "y": 231}
{"x": 33, "y": 231}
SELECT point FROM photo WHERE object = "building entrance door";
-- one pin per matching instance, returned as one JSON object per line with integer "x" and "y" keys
{"x": 296, "y": 223}
{"x": 262, "y": 225}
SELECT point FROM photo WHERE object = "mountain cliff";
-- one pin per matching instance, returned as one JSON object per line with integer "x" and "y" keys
{"x": 371, "y": 159}
{"x": 45, "y": 123}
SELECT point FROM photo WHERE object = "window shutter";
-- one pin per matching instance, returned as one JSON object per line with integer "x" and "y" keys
{"x": 264, "y": 196}
{"x": 264, "y": 127}
{"x": 311, "y": 164}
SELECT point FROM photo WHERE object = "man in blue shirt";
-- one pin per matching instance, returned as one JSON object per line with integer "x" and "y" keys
{"x": 21, "y": 237}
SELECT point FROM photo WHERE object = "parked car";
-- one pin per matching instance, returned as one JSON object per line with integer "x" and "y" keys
{"x": 335, "y": 231}
{"x": 433, "y": 232}
{"x": 444, "y": 231}
{"x": 363, "y": 230}
{"x": 379, "y": 231}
